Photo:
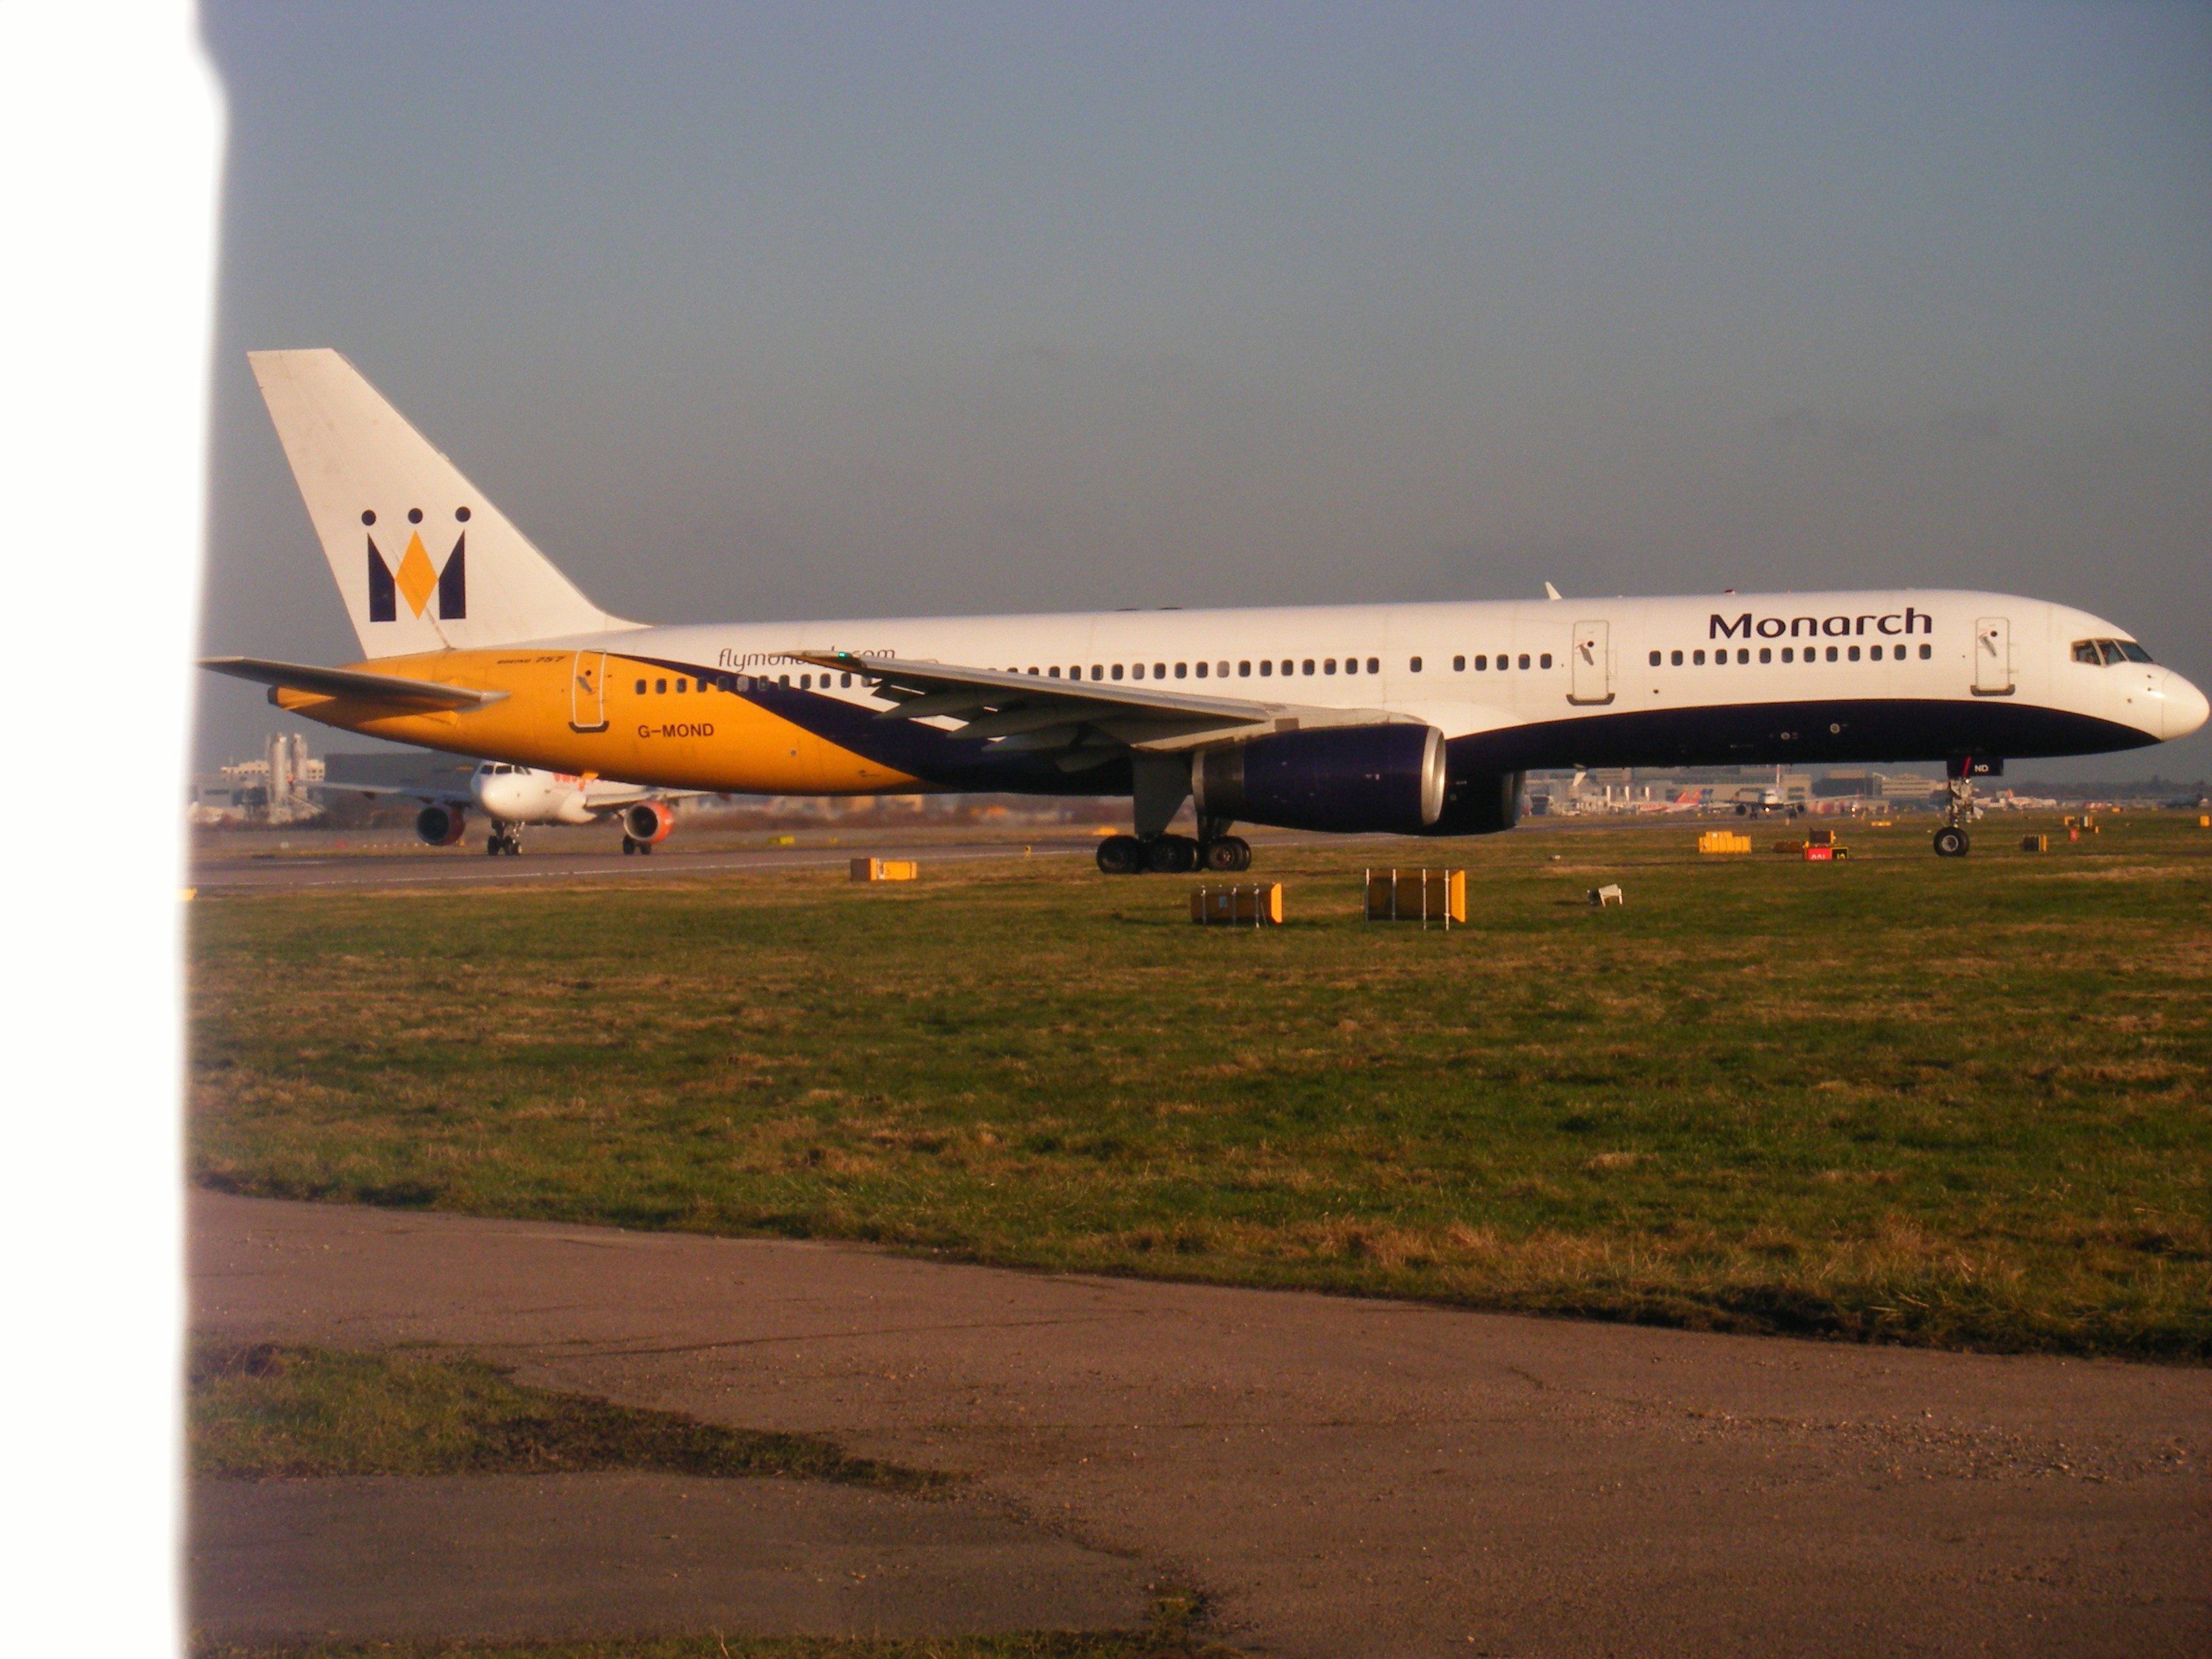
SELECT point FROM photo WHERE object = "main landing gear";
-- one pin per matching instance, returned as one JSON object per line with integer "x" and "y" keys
{"x": 1174, "y": 855}
{"x": 632, "y": 844}
{"x": 504, "y": 838}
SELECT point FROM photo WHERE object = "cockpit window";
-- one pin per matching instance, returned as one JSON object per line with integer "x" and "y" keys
{"x": 2109, "y": 653}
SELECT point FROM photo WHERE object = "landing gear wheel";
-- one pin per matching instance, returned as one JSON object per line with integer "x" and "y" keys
{"x": 1121, "y": 855}
{"x": 1172, "y": 855}
{"x": 1950, "y": 842}
{"x": 1227, "y": 854}
{"x": 629, "y": 846}
{"x": 493, "y": 847}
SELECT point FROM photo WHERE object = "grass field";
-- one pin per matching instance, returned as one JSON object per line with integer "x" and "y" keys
{"x": 264, "y": 1411}
{"x": 1899, "y": 1098}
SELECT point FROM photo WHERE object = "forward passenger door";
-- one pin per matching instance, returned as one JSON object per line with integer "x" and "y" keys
{"x": 1590, "y": 659}
{"x": 1992, "y": 657}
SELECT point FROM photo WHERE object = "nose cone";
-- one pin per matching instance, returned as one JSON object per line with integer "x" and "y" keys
{"x": 2185, "y": 707}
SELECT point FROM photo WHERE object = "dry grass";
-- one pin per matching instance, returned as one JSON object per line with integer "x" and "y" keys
{"x": 1899, "y": 1098}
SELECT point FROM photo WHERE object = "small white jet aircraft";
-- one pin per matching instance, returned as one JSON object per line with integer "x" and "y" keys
{"x": 512, "y": 796}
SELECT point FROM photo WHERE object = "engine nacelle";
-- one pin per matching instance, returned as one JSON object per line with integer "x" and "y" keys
{"x": 1480, "y": 803}
{"x": 648, "y": 823}
{"x": 1345, "y": 778}
{"x": 441, "y": 826}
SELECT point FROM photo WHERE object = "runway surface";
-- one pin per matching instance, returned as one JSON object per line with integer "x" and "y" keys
{"x": 1347, "y": 1477}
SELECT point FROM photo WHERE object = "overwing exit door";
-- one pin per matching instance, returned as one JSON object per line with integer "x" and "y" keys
{"x": 1992, "y": 657}
{"x": 1591, "y": 660}
{"x": 587, "y": 692}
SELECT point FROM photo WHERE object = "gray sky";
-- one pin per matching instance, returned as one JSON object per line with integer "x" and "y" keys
{"x": 760, "y": 312}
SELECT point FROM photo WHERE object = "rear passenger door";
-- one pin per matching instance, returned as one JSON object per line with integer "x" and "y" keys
{"x": 587, "y": 692}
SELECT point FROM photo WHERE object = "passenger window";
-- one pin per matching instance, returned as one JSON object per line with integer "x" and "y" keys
{"x": 1743, "y": 656}
{"x": 1117, "y": 671}
{"x": 846, "y": 679}
{"x": 1544, "y": 661}
{"x": 1351, "y": 664}
{"x": 1481, "y": 664}
{"x": 1524, "y": 659}
{"x": 1375, "y": 665}
{"x": 1244, "y": 671}
{"x": 1159, "y": 671}
{"x": 1831, "y": 653}
{"x": 1412, "y": 665}
{"x": 1182, "y": 670}
{"x": 1789, "y": 654}
{"x": 784, "y": 680}
{"x": 1136, "y": 671}
{"x": 1459, "y": 664}
{"x": 1098, "y": 672}
{"x": 1266, "y": 668}
{"x": 1329, "y": 665}
{"x": 1201, "y": 670}
{"x": 1308, "y": 665}
{"x": 1698, "y": 657}
{"x": 660, "y": 688}
{"x": 1926, "y": 652}
{"x": 640, "y": 688}
{"x": 1678, "y": 660}
{"x": 1654, "y": 658}
{"x": 806, "y": 683}
{"x": 1855, "y": 654}
{"x": 681, "y": 684}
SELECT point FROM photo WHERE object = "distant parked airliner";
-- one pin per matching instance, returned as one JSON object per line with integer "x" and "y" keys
{"x": 1412, "y": 719}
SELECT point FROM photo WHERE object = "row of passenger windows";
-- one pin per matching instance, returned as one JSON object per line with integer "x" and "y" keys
{"x": 1846, "y": 654}
{"x": 729, "y": 682}
{"x": 1266, "y": 669}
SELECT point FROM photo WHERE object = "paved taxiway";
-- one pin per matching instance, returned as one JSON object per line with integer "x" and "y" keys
{"x": 1347, "y": 1477}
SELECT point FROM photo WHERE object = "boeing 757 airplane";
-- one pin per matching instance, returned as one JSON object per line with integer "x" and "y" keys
{"x": 1410, "y": 719}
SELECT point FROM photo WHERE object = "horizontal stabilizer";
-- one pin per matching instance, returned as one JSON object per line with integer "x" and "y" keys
{"x": 352, "y": 683}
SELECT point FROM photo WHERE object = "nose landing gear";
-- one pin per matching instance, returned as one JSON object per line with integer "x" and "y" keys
{"x": 504, "y": 838}
{"x": 1951, "y": 841}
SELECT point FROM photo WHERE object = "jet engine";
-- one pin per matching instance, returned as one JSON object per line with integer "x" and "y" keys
{"x": 1480, "y": 803}
{"x": 441, "y": 826}
{"x": 647, "y": 823}
{"x": 1347, "y": 778}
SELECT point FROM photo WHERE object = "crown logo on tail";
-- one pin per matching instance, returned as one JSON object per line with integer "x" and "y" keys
{"x": 415, "y": 581}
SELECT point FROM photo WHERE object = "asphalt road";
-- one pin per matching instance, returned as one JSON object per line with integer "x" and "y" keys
{"x": 1347, "y": 1477}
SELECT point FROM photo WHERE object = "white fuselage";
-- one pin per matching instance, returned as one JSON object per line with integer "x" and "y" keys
{"x": 1481, "y": 667}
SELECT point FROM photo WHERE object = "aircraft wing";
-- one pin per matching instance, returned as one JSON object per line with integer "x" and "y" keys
{"x": 353, "y": 683}
{"x": 605, "y": 792}
{"x": 415, "y": 792}
{"x": 1084, "y": 722}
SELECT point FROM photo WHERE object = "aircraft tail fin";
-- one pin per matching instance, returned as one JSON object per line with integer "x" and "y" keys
{"x": 423, "y": 561}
